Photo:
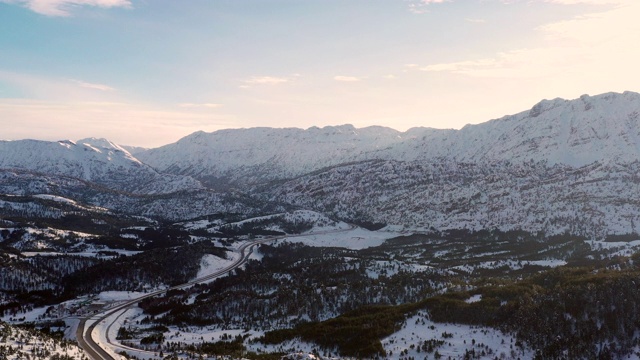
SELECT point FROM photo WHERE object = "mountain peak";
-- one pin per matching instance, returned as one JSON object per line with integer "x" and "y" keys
{"x": 545, "y": 105}
{"x": 572, "y": 132}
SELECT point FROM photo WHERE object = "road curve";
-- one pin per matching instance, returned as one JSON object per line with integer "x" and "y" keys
{"x": 96, "y": 352}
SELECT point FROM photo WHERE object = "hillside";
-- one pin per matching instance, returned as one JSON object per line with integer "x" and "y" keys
{"x": 569, "y": 132}
{"x": 94, "y": 160}
{"x": 594, "y": 200}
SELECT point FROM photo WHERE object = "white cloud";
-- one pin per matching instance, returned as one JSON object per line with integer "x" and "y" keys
{"x": 476, "y": 21}
{"x": 521, "y": 63}
{"x": 64, "y": 7}
{"x": 265, "y": 80}
{"x": 420, "y": 6}
{"x": 346, "y": 78}
{"x": 597, "y": 43}
{"x": 93, "y": 86}
{"x": 51, "y": 88}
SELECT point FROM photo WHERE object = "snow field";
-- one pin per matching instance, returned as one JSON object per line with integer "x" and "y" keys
{"x": 457, "y": 339}
{"x": 356, "y": 239}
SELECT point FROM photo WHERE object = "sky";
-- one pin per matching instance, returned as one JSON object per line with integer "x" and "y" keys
{"x": 149, "y": 72}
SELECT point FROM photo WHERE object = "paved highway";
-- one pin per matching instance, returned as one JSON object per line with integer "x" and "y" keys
{"x": 95, "y": 351}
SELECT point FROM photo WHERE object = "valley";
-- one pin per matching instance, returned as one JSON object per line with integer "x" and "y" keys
{"x": 515, "y": 238}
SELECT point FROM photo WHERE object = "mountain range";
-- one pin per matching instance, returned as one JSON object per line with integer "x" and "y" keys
{"x": 561, "y": 166}
{"x": 575, "y": 133}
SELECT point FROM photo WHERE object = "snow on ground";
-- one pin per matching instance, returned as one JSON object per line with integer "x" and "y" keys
{"x": 119, "y": 295}
{"x": 64, "y": 200}
{"x": 320, "y": 222}
{"x": 29, "y": 316}
{"x": 456, "y": 340}
{"x": 390, "y": 268}
{"x": 256, "y": 255}
{"x": 93, "y": 253}
{"x": 55, "y": 198}
{"x": 615, "y": 248}
{"x": 194, "y": 335}
{"x": 405, "y": 229}
{"x": 512, "y": 264}
{"x": 100, "y": 333}
{"x": 201, "y": 224}
{"x": 72, "y": 326}
{"x": 356, "y": 238}
{"x": 24, "y": 344}
{"x": 474, "y": 298}
{"x": 211, "y": 264}
{"x": 116, "y": 321}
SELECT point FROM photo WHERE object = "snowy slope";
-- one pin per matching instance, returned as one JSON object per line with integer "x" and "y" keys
{"x": 575, "y": 132}
{"x": 251, "y": 155}
{"x": 594, "y": 200}
{"x": 18, "y": 343}
{"x": 94, "y": 160}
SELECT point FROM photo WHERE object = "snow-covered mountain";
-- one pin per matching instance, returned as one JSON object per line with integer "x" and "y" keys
{"x": 21, "y": 194}
{"x": 258, "y": 154}
{"x": 93, "y": 160}
{"x": 594, "y": 200}
{"x": 563, "y": 165}
{"x": 571, "y": 132}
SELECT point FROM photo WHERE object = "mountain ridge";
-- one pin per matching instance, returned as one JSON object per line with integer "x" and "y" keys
{"x": 571, "y": 132}
{"x": 95, "y": 160}
{"x": 563, "y": 165}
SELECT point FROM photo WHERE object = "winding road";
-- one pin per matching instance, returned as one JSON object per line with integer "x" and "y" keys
{"x": 85, "y": 337}
{"x": 96, "y": 352}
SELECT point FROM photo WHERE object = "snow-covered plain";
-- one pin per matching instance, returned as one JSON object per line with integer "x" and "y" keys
{"x": 356, "y": 238}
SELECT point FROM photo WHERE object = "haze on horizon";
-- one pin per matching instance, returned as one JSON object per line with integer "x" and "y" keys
{"x": 147, "y": 73}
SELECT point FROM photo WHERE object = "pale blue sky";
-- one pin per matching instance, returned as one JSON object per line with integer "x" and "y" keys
{"x": 147, "y": 72}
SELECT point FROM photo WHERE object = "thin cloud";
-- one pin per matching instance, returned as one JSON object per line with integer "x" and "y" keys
{"x": 346, "y": 78}
{"x": 51, "y": 88}
{"x": 265, "y": 80}
{"x": 64, "y": 7}
{"x": 121, "y": 122}
{"x": 476, "y": 21}
{"x": 584, "y": 42}
{"x": 420, "y": 6}
{"x": 93, "y": 86}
